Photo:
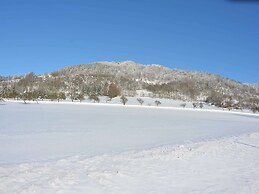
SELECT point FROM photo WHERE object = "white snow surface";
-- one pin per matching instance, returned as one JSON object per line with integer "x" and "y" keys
{"x": 36, "y": 132}
{"x": 109, "y": 148}
{"x": 224, "y": 166}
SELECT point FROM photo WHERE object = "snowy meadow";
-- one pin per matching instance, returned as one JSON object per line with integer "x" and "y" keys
{"x": 111, "y": 148}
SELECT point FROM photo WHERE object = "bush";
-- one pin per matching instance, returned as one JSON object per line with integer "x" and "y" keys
{"x": 113, "y": 91}
{"x": 183, "y": 105}
{"x": 254, "y": 109}
{"x": 94, "y": 97}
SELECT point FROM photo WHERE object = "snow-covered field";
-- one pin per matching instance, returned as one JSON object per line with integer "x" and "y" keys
{"x": 221, "y": 166}
{"x": 97, "y": 148}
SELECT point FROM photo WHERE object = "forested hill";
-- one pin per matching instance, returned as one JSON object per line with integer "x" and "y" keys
{"x": 129, "y": 78}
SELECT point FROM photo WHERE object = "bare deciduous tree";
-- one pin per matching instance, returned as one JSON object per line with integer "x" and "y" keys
{"x": 140, "y": 100}
{"x": 157, "y": 102}
{"x": 124, "y": 100}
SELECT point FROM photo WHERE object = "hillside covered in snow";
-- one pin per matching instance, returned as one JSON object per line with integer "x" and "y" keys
{"x": 127, "y": 78}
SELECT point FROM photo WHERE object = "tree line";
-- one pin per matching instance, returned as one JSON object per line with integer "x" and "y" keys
{"x": 55, "y": 86}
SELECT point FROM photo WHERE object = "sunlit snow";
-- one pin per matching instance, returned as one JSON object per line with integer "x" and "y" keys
{"x": 111, "y": 148}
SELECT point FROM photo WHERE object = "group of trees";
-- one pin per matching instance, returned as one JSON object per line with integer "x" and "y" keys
{"x": 114, "y": 79}
{"x": 33, "y": 95}
{"x": 174, "y": 89}
{"x": 197, "y": 105}
{"x": 228, "y": 101}
{"x": 194, "y": 105}
{"x": 32, "y": 87}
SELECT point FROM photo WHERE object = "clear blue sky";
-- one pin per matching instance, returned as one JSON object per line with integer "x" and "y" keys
{"x": 215, "y": 36}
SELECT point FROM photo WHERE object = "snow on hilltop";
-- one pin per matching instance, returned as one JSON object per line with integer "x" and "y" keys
{"x": 128, "y": 68}
{"x": 127, "y": 78}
